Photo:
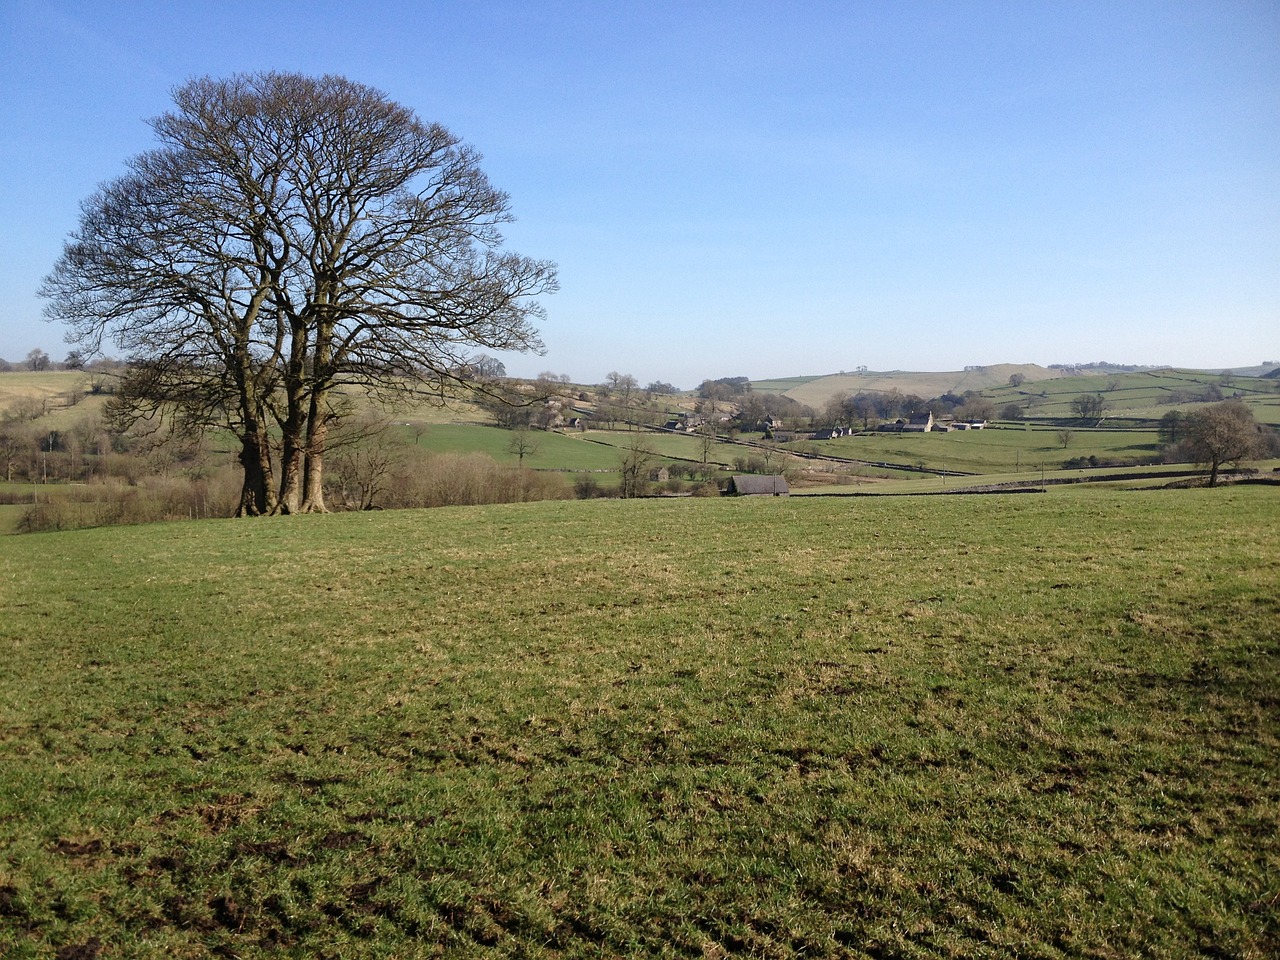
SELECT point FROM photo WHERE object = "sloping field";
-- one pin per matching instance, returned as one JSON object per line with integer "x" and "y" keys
{"x": 994, "y": 450}
{"x": 571, "y": 450}
{"x": 816, "y": 392}
{"x": 49, "y": 384}
{"x": 1005, "y": 726}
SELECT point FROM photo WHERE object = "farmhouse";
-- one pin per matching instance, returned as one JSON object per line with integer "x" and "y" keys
{"x": 684, "y": 423}
{"x": 920, "y": 424}
{"x": 749, "y": 486}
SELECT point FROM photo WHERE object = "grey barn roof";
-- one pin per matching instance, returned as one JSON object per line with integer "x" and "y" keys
{"x": 760, "y": 486}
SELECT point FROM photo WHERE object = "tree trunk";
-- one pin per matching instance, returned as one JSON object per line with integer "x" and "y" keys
{"x": 294, "y": 427}
{"x": 256, "y": 497}
{"x": 291, "y": 468}
{"x": 317, "y": 433}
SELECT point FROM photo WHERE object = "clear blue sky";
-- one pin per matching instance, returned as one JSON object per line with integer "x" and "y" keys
{"x": 756, "y": 188}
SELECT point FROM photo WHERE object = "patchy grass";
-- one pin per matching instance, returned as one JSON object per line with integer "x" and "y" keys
{"x": 994, "y": 726}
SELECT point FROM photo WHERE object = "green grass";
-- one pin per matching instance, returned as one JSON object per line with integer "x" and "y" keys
{"x": 781, "y": 384}
{"x": 554, "y": 450}
{"x": 570, "y": 451}
{"x": 1144, "y": 395}
{"x": 1022, "y": 726}
{"x": 993, "y": 450}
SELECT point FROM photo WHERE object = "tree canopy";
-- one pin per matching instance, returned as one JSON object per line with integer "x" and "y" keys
{"x": 291, "y": 236}
{"x": 1223, "y": 433}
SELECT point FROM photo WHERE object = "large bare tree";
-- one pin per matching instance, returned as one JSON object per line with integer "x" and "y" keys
{"x": 1221, "y": 434}
{"x": 292, "y": 236}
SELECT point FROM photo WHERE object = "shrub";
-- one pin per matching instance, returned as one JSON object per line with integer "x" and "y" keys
{"x": 585, "y": 486}
{"x": 450, "y": 479}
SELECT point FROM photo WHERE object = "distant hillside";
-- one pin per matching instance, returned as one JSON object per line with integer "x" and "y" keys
{"x": 815, "y": 391}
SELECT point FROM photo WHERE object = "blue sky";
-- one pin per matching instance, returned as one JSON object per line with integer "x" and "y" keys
{"x": 756, "y": 189}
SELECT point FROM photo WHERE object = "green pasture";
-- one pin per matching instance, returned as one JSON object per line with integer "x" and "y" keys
{"x": 815, "y": 391}
{"x": 1146, "y": 395}
{"x": 781, "y": 384}
{"x": 1008, "y": 447}
{"x": 572, "y": 450}
{"x": 1004, "y": 726}
{"x": 551, "y": 450}
{"x": 1147, "y": 477}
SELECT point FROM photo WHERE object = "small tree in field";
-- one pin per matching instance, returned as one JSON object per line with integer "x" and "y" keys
{"x": 633, "y": 467}
{"x": 523, "y": 444}
{"x": 1089, "y": 406}
{"x": 1224, "y": 433}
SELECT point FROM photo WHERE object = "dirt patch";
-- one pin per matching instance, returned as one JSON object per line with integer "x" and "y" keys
{"x": 77, "y": 849}
{"x": 88, "y": 950}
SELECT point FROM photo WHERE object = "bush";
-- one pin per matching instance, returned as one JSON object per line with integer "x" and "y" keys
{"x": 112, "y": 503}
{"x": 451, "y": 479}
{"x": 585, "y": 486}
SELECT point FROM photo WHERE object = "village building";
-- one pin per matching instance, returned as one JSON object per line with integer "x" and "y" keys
{"x": 753, "y": 486}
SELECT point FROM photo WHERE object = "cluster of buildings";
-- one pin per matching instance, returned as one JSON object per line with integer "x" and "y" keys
{"x": 925, "y": 423}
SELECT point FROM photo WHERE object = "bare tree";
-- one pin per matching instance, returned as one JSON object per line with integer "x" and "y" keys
{"x": 621, "y": 388}
{"x": 37, "y": 360}
{"x": 706, "y": 441}
{"x": 1224, "y": 433}
{"x": 364, "y": 452}
{"x": 523, "y": 444}
{"x": 633, "y": 467}
{"x": 1089, "y": 406}
{"x": 977, "y": 408}
{"x": 292, "y": 236}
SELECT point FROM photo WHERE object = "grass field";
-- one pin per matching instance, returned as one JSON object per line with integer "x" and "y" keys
{"x": 814, "y": 391}
{"x": 570, "y": 451}
{"x": 1006, "y": 726}
{"x": 994, "y": 450}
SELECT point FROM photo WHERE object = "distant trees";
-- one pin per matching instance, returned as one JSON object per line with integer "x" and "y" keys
{"x": 977, "y": 407}
{"x": 724, "y": 388}
{"x": 37, "y": 360}
{"x": 755, "y": 408}
{"x": 292, "y": 236}
{"x": 1089, "y": 406}
{"x": 621, "y": 392}
{"x": 482, "y": 367}
{"x": 633, "y": 463}
{"x": 1171, "y": 424}
{"x": 1016, "y": 379}
{"x": 620, "y": 385}
{"x": 1011, "y": 411}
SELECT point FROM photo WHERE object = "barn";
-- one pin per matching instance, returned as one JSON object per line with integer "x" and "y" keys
{"x": 750, "y": 486}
